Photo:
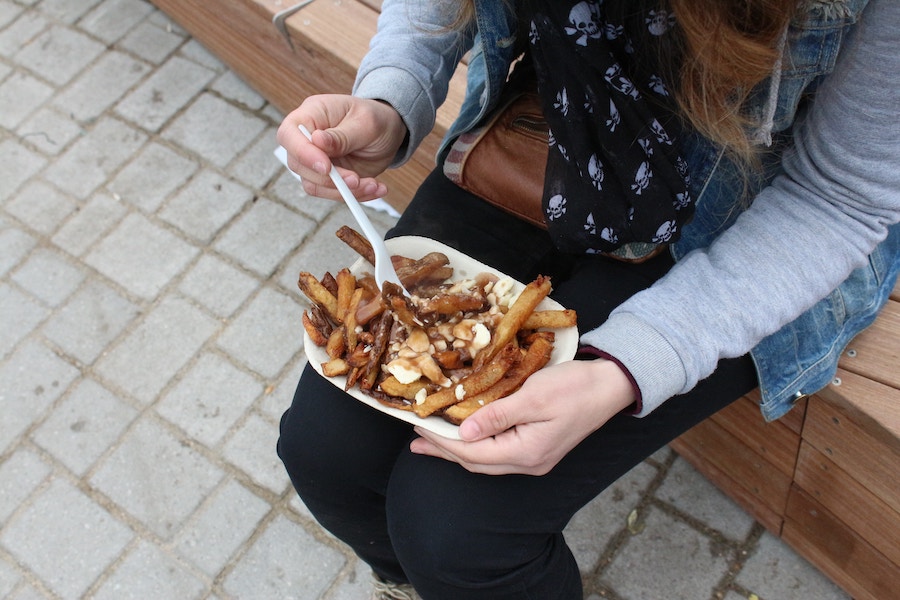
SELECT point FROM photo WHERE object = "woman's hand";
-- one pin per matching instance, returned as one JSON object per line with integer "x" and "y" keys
{"x": 530, "y": 431}
{"x": 360, "y": 136}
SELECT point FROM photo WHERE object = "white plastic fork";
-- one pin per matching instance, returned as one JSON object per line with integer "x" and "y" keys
{"x": 384, "y": 268}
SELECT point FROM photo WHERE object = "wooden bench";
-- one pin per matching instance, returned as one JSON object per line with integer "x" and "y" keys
{"x": 317, "y": 49}
{"x": 824, "y": 478}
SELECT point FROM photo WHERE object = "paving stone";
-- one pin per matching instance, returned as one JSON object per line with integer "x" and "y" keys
{"x": 205, "y": 205}
{"x": 131, "y": 256}
{"x": 206, "y": 543}
{"x": 210, "y": 399}
{"x": 690, "y": 492}
{"x": 68, "y": 11}
{"x": 28, "y": 592}
{"x": 50, "y": 131}
{"x": 217, "y": 285}
{"x": 84, "y": 426}
{"x": 59, "y": 54}
{"x": 112, "y": 19}
{"x": 164, "y": 93}
{"x": 605, "y": 515}
{"x": 354, "y": 585}
{"x": 20, "y": 474}
{"x": 278, "y": 399}
{"x": 15, "y": 244}
{"x": 214, "y": 129}
{"x": 667, "y": 559}
{"x": 266, "y": 335}
{"x": 65, "y": 538}
{"x": 9, "y": 578}
{"x": 148, "y": 572}
{"x": 49, "y": 276}
{"x": 92, "y": 318}
{"x": 773, "y": 570}
{"x": 101, "y": 85}
{"x": 285, "y": 562}
{"x": 92, "y": 220}
{"x": 151, "y": 41}
{"x": 41, "y": 207}
{"x": 196, "y": 52}
{"x": 20, "y": 314}
{"x": 252, "y": 449}
{"x": 20, "y": 95}
{"x": 30, "y": 381}
{"x": 156, "y": 478}
{"x": 21, "y": 32}
{"x": 263, "y": 235}
{"x": 90, "y": 161}
{"x": 232, "y": 87}
{"x": 165, "y": 341}
{"x": 154, "y": 173}
{"x": 17, "y": 165}
{"x": 8, "y": 12}
{"x": 257, "y": 166}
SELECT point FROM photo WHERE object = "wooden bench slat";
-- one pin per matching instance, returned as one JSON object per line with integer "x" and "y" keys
{"x": 837, "y": 550}
{"x": 860, "y": 509}
{"x": 876, "y": 351}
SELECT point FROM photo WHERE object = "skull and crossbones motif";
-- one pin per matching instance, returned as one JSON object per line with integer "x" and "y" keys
{"x": 584, "y": 22}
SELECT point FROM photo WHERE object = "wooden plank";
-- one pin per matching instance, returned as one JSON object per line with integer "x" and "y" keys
{"x": 838, "y": 551}
{"x": 874, "y": 406}
{"x": 875, "y": 352}
{"x": 862, "y": 511}
{"x": 867, "y": 459}
{"x": 773, "y": 441}
{"x": 711, "y": 448}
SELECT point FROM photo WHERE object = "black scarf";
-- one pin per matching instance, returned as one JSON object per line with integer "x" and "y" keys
{"x": 614, "y": 173}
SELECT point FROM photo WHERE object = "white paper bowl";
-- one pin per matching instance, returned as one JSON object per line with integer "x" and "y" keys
{"x": 464, "y": 267}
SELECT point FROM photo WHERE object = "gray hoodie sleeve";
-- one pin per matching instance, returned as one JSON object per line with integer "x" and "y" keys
{"x": 800, "y": 239}
{"x": 410, "y": 62}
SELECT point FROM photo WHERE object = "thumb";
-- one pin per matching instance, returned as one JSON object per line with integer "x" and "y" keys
{"x": 487, "y": 421}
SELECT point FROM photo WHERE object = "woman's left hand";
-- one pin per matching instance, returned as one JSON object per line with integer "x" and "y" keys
{"x": 530, "y": 431}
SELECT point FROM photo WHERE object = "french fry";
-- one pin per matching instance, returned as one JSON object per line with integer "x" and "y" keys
{"x": 335, "y": 367}
{"x": 346, "y": 284}
{"x": 390, "y": 386}
{"x": 358, "y": 242}
{"x": 551, "y": 319}
{"x": 535, "y": 358}
{"x": 478, "y": 381}
{"x": 318, "y": 293}
{"x": 318, "y": 338}
{"x": 336, "y": 344}
{"x": 514, "y": 318}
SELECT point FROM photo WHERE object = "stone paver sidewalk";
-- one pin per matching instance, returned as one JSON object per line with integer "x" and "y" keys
{"x": 150, "y": 339}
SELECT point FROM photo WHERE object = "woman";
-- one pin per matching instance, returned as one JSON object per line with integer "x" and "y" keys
{"x": 767, "y": 171}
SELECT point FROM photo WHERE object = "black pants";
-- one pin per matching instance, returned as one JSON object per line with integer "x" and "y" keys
{"x": 457, "y": 535}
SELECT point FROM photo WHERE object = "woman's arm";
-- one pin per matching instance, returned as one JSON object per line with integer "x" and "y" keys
{"x": 800, "y": 239}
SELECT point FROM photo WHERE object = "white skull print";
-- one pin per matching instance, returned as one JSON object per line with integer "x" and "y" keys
{"x": 556, "y": 207}
{"x": 595, "y": 171}
{"x": 646, "y": 146}
{"x": 642, "y": 178}
{"x": 661, "y": 136}
{"x": 610, "y": 235}
{"x": 657, "y": 84}
{"x": 584, "y": 22}
{"x": 589, "y": 225}
{"x": 664, "y": 233}
{"x": 659, "y": 21}
{"x": 619, "y": 81}
{"x": 614, "y": 117}
{"x": 562, "y": 102}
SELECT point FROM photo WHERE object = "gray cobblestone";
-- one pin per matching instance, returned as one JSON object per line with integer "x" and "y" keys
{"x": 67, "y": 11}
{"x": 111, "y": 19}
{"x": 94, "y": 218}
{"x": 14, "y": 246}
{"x": 41, "y": 207}
{"x": 91, "y": 319}
{"x": 131, "y": 256}
{"x": 164, "y": 93}
{"x": 65, "y": 538}
{"x": 81, "y": 429}
{"x": 214, "y": 129}
{"x": 218, "y": 286}
{"x": 50, "y": 131}
{"x": 19, "y": 315}
{"x": 49, "y": 276}
{"x": 156, "y": 478}
{"x": 252, "y": 449}
{"x": 152, "y": 176}
{"x": 101, "y": 85}
{"x": 209, "y": 399}
{"x": 59, "y": 54}
{"x": 149, "y": 572}
{"x": 152, "y": 41}
{"x": 205, "y": 205}
{"x": 17, "y": 165}
{"x": 20, "y": 475}
{"x": 20, "y": 32}
{"x": 20, "y": 94}
{"x": 165, "y": 341}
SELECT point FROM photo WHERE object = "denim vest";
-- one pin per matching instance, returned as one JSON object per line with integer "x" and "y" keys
{"x": 802, "y": 357}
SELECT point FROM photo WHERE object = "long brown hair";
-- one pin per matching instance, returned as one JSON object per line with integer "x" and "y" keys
{"x": 727, "y": 47}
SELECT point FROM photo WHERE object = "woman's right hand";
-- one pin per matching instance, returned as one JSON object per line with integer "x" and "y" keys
{"x": 360, "y": 136}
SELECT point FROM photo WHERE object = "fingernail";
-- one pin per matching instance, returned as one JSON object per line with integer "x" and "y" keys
{"x": 319, "y": 167}
{"x": 469, "y": 430}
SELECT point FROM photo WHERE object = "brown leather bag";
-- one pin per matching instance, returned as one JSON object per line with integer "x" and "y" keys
{"x": 504, "y": 161}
